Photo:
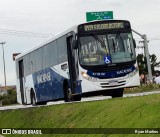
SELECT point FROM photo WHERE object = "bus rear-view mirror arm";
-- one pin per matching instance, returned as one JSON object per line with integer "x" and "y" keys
{"x": 134, "y": 43}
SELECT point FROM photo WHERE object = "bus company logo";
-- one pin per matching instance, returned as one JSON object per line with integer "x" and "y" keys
{"x": 21, "y": 131}
{"x": 44, "y": 78}
{"x": 125, "y": 71}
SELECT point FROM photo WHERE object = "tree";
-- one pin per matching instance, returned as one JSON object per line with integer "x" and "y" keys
{"x": 154, "y": 64}
{"x": 142, "y": 63}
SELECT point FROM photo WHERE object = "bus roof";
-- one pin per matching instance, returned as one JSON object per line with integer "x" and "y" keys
{"x": 58, "y": 35}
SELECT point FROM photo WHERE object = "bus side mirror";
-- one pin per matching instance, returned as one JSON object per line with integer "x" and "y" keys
{"x": 75, "y": 44}
{"x": 134, "y": 43}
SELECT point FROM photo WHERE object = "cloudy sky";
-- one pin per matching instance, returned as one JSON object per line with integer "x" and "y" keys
{"x": 42, "y": 18}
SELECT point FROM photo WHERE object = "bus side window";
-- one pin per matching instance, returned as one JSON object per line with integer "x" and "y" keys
{"x": 39, "y": 59}
{"x": 62, "y": 49}
{"x": 45, "y": 52}
{"x": 32, "y": 62}
{"x": 53, "y": 53}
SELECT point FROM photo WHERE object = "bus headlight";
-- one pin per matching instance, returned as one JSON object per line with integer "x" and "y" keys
{"x": 87, "y": 77}
{"x": 132, "y": 73}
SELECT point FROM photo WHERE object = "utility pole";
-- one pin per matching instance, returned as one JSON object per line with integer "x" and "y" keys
{"x": 2, "y": 43}
{"x": 144, "y": 37}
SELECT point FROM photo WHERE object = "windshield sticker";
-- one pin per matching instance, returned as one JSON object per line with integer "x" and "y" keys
{"x": 107, "y": 59}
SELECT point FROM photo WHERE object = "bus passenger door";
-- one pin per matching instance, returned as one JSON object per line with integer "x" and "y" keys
{"x": 73, "y": 67}
{"x": 21, "y": 79}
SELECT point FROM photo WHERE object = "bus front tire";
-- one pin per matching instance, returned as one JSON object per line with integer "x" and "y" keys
{"x": 117, "y": 93}
{"x": 68, "y": 97}
{"x": 77, "y": 97}
{"x": 67, "y": 94}
{"x": 114, "y": 93}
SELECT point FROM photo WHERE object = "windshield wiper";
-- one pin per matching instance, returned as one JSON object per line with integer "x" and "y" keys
{"x": 99, "y": 40}
{"x": 114, "y": 45}
{"x": 121, "y": 41}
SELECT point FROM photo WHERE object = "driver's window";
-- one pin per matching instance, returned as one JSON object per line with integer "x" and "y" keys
{"x": 115, "y": 43}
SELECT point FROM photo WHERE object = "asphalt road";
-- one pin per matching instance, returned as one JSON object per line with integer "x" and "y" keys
{"x": 84, "y": 99}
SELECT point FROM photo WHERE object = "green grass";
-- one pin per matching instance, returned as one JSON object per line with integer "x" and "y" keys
{"x": 133, "y": 112}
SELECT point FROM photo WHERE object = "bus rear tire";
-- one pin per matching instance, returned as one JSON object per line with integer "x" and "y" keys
{"x": 33, "y": 99}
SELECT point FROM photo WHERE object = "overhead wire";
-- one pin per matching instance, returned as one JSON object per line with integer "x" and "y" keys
{"x": 149, "y": 39}
{"x": 41, "y": 35}
{"x": 24, "y": 33}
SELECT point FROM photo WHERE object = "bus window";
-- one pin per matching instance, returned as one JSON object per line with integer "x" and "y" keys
{"x": 62, "y": 49}
{"x": 53, "y": 53}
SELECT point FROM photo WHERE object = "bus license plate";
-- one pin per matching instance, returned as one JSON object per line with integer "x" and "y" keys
{"x": 111, "y": 83}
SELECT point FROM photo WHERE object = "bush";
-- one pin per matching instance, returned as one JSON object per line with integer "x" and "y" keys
{"x": 11, "y": 98}
{"x": 143, "y": 88}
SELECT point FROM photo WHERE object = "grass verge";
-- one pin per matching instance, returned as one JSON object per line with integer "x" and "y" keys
{"x": 133, "y": 112}
{"x": 143, "y": 88}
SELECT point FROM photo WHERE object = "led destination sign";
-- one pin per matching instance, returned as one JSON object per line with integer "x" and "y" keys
{"x": 104, "y": 26}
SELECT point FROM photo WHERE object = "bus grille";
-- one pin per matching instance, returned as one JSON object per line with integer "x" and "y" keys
{"x": 109, "y": 85}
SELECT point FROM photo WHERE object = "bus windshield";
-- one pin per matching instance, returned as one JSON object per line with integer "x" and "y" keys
{"x": 106, "y": 49}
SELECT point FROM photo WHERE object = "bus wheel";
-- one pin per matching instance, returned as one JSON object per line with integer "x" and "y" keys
{"x": 117, "y": 93}
{"x": 77, "y": 97}
{"x": 106, "y": 93}
{"x": 33, "y": 99}
{"x": 41, "y": 103}
{"x": 67, "y": 94}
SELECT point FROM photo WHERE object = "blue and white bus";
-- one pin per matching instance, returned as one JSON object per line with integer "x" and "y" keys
{"x": 92, "y": 57}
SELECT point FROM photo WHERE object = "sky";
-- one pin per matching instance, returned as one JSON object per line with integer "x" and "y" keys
{"x": 26, "y": 23}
